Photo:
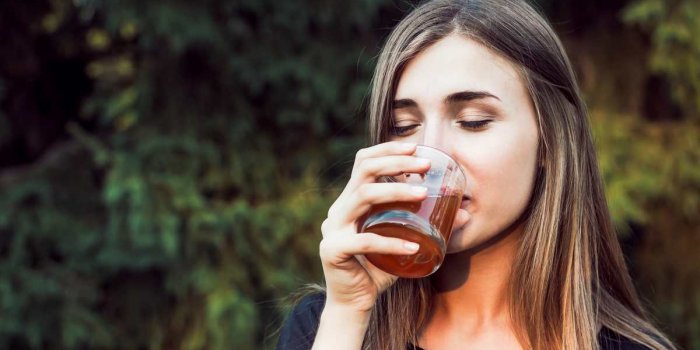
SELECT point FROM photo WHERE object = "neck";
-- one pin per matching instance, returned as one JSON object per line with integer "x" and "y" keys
{"x": 472, "y": 286}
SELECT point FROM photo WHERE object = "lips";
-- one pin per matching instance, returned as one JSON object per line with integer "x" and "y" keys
{"x": 463, "y": 215}
{"x": 461, "y": 219}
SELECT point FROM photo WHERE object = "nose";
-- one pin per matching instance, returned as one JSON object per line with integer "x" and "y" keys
{"x": 435, "y": 135}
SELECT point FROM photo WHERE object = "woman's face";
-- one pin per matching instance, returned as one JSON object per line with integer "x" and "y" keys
{"x": 459, "y": 97}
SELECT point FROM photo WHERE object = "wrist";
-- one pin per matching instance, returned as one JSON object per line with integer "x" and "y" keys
{"x": 345, "y": 314}
{"x": 341, "y": 322}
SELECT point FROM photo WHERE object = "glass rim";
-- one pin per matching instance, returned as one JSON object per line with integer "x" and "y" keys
{"x": 446, "y": 156}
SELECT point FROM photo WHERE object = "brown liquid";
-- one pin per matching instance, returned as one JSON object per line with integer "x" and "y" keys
{"x": 440, "y": 212}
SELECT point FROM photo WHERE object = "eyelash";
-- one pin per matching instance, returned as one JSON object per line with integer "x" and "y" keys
{"x": 474, "y": 125}
{"x": 470, "y": 125}
{"x": 401, "y": 130}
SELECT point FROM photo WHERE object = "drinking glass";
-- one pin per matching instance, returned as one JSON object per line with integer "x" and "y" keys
{"x": 428, "y": 222}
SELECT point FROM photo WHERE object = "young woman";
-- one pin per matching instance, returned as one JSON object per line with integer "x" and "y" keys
{"x": 533, "y": 261}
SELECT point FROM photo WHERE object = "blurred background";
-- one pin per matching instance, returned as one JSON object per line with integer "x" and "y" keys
{"x": 165, "y": 165}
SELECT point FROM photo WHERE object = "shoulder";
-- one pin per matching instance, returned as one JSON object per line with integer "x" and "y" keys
{"x": 299, "y": 329}
{"x": 610, "y": 340}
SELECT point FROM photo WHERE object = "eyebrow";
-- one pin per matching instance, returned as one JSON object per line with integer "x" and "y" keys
{"x": 462, "y": 96}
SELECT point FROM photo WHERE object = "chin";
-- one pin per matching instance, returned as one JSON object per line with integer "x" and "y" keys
{"x": 459, "y": 240}
{"x": 467, "y": 237}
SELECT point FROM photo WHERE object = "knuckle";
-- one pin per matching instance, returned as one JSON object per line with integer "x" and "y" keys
{"x": 325, "y": 226}
{"x": 361, "y": 154}
{"x": 323, "y": 248}
{"x": 363, "y": 192}
{"x": 331, "y": 211}
{"x": 365, "y": 166}
{"x": 365, "y": 242}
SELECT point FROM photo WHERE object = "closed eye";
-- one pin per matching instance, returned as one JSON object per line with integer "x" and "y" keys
{"x": 474, "y": 124}
{"x": 470, "y": 125}
{"x": 402, "y": 130}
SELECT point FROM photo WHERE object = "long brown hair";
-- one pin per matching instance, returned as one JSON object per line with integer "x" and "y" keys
{"x": 569, "y": 277}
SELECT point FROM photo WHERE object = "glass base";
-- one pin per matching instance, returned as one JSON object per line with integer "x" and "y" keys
{"x": 411, "y": 227}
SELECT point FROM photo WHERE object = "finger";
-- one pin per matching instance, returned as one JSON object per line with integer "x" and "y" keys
{"x": 385, "y": 149}
{"x": 377, "y": 193}
{"x": 395, "y": 166}
{"x": 371, "y": 168}
{"x": 382, "y": 278}
{"x": 325, "y": 227}
{"x": 380, "y": 150}
{"x": 340, "y": 249}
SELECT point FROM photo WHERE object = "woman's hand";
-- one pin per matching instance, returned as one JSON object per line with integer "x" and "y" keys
{"x": 352, "y": 282}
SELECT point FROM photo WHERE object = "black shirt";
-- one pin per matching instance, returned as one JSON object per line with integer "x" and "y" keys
{"x": 299, "y": 330}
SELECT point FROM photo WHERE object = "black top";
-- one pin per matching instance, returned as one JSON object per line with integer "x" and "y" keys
{"x": 299, "y": 330}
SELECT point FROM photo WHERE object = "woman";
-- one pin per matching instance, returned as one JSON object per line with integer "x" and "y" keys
{"x": 533, "y": 261}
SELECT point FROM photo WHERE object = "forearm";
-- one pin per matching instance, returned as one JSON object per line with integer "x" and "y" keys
{"x": 341, "y": 329}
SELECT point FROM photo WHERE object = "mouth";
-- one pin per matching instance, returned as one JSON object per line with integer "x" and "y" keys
{"x": 466, "y": 199}
{"x": 463, "y": 215}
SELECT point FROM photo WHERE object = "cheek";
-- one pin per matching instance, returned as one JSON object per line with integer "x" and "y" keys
{"x": 503, "y": 173}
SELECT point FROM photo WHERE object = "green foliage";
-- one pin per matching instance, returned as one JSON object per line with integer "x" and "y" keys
{"x": 670, "y": 152}
{"x": 639, "y": 172}
{"x": 49, "y": 235}
{"x": 675, "y": 37}
{"x": 220, "y": 134}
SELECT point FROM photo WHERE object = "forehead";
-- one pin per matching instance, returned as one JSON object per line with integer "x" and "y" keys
{"x": 456, "y": 63}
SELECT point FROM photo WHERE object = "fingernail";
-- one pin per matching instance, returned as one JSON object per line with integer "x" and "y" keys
{"x": 420, "y": 190}
{"x": 411, "y": 246}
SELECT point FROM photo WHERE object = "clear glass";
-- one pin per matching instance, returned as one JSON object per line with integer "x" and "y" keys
{"x": 428, "y": 223}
